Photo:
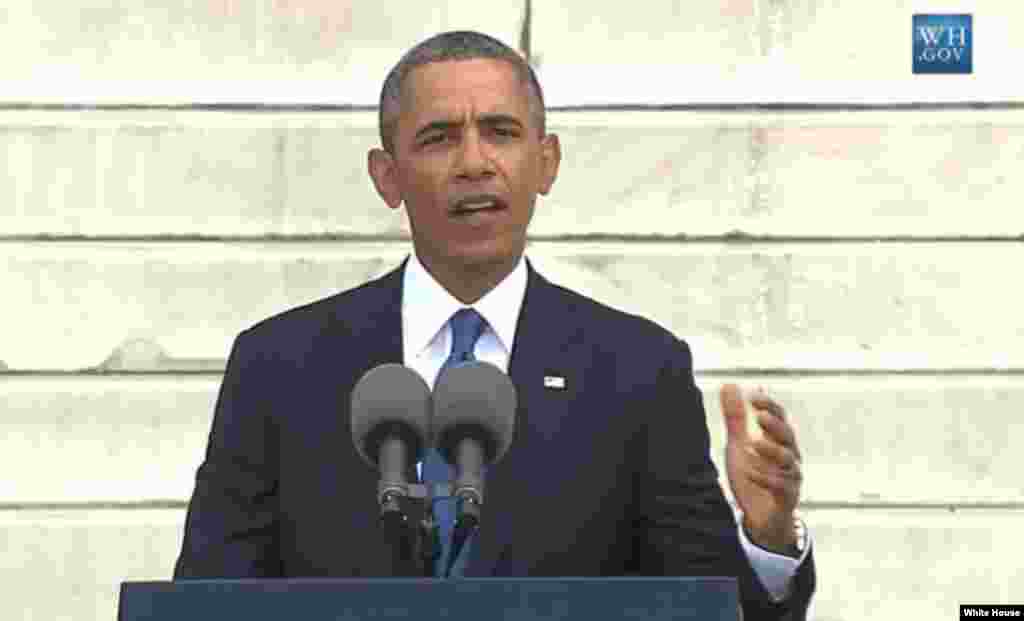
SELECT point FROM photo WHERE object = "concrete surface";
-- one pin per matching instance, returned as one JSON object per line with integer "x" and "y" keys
{"x": 252, "y": 51}
{"x": 164, "y": 305}
{"x": 306, "y": 51}
{"x": 739, "y": 51}
{"x": 826, "y": 174}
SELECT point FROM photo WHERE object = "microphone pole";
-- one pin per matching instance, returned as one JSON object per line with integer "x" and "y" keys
{"x": 474, "y": 408}
{"x": 390, "y": 416}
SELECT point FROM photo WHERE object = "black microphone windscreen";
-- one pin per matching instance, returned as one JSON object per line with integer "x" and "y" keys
{"x": 390, "y": 400}
{"x": 474, "y": 399}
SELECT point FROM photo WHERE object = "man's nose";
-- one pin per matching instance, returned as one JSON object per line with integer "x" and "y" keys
{"x": 474, "y": 160}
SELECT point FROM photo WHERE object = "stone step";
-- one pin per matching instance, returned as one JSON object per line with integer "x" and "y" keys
{"x": 284, "y": 52}
{"x": 762, "y": 51}
{"x": 69, "y": 564}
{"x": 177, "y": 306}
{"x": 914, "y": 563}
{"x": 281, "y": 51}
{"x": 866, "y": 440}
{"x": 118, "y": 439}
{"x": 901, "y": 563}
{"x": 832, "y": 174}
{"x": 897, "y": 440}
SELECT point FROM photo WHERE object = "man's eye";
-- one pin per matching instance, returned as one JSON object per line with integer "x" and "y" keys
{"x": 433, "y": 138}
{"x": 504, "y": 131}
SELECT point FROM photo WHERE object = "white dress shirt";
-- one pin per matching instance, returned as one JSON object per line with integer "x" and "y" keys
{"x": 427, "y": 342}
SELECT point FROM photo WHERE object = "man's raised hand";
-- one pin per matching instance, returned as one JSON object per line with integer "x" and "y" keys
{"x": 764, "y": 472}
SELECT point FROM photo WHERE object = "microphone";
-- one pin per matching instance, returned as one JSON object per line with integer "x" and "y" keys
{"x": 390, "y": 423}
{"x": 474, "y": 420}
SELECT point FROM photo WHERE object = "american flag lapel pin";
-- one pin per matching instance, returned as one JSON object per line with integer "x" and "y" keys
{"x": 554, "y": 382}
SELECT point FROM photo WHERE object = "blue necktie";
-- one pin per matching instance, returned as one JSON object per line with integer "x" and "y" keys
{"x": 467, "y": 326}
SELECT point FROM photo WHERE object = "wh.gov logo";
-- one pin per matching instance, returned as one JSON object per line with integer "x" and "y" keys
{"x": 943, "y": 44}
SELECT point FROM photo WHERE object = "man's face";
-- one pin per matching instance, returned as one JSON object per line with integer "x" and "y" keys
{"x": 469, "y": 162}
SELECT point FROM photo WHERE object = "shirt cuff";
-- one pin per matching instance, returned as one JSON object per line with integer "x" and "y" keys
{"x": 775, "y": 571}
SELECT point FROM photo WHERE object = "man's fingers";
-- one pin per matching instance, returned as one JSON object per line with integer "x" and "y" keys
{"x": 765, "y": 468}
{"x": 771, "y": 418}
{"x": 766, "y": 457}
{"x": 735, "y": 412}
{"x": 762, "y": 401}
{"x": 774, "y": 427}
{"x": 777, "y": 428}
{"x": 776, "y": 483}
{"x": 776, "y": 454}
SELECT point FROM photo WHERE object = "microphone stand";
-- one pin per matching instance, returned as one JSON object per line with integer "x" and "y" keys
{"x": 410, "y": 529}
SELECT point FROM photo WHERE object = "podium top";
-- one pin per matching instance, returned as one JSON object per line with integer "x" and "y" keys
{"x": 509, "y": 599}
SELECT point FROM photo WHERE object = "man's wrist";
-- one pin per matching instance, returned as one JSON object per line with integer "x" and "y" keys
{"x": 784, "y": 539}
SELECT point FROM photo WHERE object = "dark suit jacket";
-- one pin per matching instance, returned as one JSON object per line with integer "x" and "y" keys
{"x": 611, "y": 476}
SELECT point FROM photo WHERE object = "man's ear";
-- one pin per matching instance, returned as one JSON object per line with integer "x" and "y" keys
{"x": 384, "y": 172}
{"x": 551, "y": 157}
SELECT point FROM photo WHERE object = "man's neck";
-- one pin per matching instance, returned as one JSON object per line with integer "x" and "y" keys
{"x": 469, "y": 283}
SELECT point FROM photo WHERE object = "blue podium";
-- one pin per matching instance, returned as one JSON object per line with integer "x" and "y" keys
{"x": 476, "y": 599}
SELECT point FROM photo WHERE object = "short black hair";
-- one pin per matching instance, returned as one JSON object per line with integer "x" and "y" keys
{"x": 452, "y": 45}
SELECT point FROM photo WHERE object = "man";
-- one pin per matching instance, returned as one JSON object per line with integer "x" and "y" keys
{"x": 609, "y": 473}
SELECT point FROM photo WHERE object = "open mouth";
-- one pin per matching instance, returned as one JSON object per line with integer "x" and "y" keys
{"x": 477, "y": 203}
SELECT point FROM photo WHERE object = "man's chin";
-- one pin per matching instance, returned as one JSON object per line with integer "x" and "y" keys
{"x": 485, "y": 261}
{"x": 484, "y": 257}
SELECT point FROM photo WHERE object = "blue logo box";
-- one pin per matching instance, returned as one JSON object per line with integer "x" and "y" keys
{"x": 943, "y": 44}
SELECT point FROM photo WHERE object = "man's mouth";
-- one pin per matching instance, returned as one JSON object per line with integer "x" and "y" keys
{"x": 477, "y": 203}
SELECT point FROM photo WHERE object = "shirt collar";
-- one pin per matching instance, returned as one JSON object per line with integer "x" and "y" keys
{"x": 427, "y": 306}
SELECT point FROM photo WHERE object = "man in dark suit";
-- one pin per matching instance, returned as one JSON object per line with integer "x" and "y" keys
{"x": 609, "y": 473}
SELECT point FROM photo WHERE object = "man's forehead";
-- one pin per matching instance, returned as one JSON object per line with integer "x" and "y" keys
{"x": 490, "y": 86}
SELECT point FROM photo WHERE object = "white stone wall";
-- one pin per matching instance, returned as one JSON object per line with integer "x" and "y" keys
{"x": 854, "y": 250}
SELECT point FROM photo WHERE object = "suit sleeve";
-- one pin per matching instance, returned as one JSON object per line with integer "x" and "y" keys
{"x": 231, "y": 527}
{"x": 685, "y": 526}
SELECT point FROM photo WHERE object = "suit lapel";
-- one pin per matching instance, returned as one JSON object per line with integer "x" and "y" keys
{"x": 365, "y": 332}
{"x": 377, "y": 330}
{"x": 545, "y": 334}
